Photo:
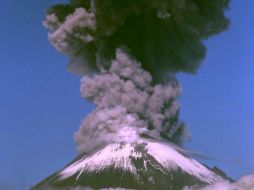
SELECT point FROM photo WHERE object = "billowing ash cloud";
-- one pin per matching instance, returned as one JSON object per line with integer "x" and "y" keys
{"x": 244, "y": 183}
{"x": 128, "y": 105}
{"x": 134, "y": 50}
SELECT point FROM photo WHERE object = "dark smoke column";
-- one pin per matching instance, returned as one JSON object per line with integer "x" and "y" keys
{"x": 134, "y": 48}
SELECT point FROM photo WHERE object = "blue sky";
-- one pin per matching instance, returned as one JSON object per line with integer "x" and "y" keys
{"x": 41, "y": 108}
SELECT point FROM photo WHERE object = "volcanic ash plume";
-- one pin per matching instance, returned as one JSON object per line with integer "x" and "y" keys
{"x": 128, "y": 105}
{"x": 133, "y": 50}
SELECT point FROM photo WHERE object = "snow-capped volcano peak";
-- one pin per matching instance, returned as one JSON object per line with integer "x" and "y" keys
{"x": 140, "y": 165}
{"x": 121, "y": 156}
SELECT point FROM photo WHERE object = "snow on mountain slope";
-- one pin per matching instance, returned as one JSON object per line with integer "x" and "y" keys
{"x": 118, "y": 156}
{"x": 140, "y": 165}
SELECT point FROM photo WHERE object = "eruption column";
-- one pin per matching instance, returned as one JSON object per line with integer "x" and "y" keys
{"x": 133, "y": 49}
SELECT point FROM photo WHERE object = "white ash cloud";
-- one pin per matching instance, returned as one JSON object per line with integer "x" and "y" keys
{"x": 104, "y": 126}
{"x": 78, "y": 25}
{"x": 127, "y": 106}
{"x": 70, "y": 36}
{"x": 244, "y": 183}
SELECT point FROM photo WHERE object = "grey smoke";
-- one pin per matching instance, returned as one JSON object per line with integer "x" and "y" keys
{"x": 164, "y": 35}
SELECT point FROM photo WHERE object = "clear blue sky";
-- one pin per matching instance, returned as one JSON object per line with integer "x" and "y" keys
{"x": 41, "y": 108}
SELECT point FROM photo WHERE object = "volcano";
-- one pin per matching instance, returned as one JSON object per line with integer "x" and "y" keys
{"x": 140, "y": 165}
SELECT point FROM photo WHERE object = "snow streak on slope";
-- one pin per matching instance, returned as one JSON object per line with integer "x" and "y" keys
{"x": 113, "y": 154}
{"x": 171, "y": 159}
{"x": 119, "y": 156}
